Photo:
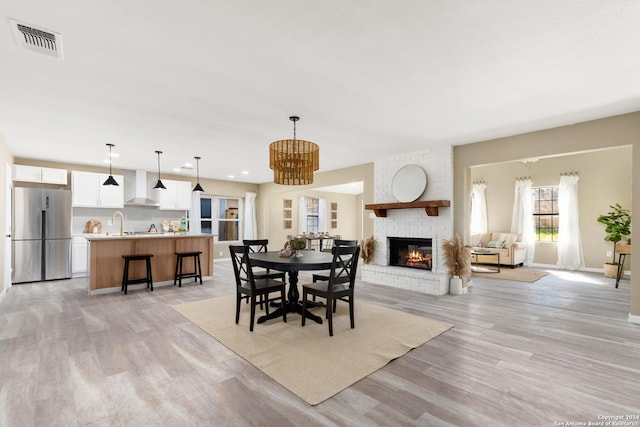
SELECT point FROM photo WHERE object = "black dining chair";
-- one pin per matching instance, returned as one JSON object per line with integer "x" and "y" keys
{"x": 340, "y": 286}
{"x": 324, "y": 275}
{"x": 248, "y": 286}
{"x": 262, "y": 245}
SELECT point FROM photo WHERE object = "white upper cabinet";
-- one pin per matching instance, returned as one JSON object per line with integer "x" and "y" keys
{"x": 89, "y": 192}
{"x": 177, "y": 196}
{"x": 25, "y": 173}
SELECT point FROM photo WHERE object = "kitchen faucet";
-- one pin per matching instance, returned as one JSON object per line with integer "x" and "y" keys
{"x": 113, "y": 219}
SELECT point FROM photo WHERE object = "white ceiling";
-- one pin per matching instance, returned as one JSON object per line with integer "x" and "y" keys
{"x": 219, "y": 79}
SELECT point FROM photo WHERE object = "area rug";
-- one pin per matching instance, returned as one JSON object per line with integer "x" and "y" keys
{"x": 306, "y": 360}
{"x": 518, "y": 274}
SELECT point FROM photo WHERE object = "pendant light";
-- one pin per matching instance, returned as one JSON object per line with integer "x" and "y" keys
{"x": 159, "y": 184}
{"x": 293, "y": 160}
{"x": 111, "y": 180}
{"x": 198, "y": 187}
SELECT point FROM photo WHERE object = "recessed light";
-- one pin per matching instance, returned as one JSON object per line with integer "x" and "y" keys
{"x": 188, "y": 165}
{"x": 245, "y": 172}
{"x": 107, "y": 161}
{"x": 230, "y": 176}
{"x": 177, "y": 169}
{"x": 114, "y": 155}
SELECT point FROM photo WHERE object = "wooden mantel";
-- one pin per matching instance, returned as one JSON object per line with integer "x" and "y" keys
{"x": 430, "y": 207}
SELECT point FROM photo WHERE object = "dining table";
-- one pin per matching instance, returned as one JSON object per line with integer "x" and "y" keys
{"x": 292, "y": 265}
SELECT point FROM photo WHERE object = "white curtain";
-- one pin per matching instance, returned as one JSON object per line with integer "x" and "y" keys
{"x": 250, "y": 223}
{"x": 322, "y": 215}
{"x": 569, "y": 242}
{"x": 522, "y": 217}
{"x": 194, "y": 214}
{"x": 478, "y": 208}
{"x": 302, "y": 215}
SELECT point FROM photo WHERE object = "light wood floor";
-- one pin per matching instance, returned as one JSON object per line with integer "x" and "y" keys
{"x": 520, "y": 354}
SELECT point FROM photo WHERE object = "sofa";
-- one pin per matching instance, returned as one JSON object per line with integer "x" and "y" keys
{"x": 510, "y": 246}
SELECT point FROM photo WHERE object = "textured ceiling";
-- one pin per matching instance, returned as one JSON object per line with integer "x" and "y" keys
{"x": 219, "y": 79}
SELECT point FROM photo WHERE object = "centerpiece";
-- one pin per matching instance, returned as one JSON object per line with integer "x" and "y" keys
{"x": 293, "y": 246}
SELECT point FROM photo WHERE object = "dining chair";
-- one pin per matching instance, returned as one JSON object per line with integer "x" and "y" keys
{"x": 340, "y": 286}
{"x": 250, "y": 287}
{"x": 262, "y": 245}
{"x": 324, "y": 275}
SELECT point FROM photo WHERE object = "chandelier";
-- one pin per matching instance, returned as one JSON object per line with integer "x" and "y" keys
{"x": 293, "y": 160}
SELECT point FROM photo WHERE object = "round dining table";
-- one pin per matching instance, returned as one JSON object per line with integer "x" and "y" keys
{"x": 305, "y": 261}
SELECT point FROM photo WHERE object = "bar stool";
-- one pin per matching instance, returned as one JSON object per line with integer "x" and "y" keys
{"x": 125, "y": 277}
{"x": 197, "y": 273}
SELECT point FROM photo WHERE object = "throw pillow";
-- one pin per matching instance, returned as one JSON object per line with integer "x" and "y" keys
{"x": 495, "y": 244}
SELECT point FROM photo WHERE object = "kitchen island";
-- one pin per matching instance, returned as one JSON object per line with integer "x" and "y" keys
{"x": 106, "y": 265}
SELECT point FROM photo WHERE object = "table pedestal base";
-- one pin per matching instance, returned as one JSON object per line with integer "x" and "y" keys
{"x": 292, "y": 305}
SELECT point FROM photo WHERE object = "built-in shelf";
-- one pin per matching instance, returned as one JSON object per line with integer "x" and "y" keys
{"x": 430, "y": 207}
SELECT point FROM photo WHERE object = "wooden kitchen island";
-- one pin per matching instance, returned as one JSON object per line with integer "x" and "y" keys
{"x": 106, "y": 265}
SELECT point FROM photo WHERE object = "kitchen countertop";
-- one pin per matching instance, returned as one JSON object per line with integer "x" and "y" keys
{"x": 104, "y": 236}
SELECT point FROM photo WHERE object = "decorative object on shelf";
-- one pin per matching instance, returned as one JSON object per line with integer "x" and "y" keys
{"x": 111, "y": 180}
{"x": 368, "y": 249}
{"x": 457, "y": 260}
{"x": 198, "y": 187}
{"x": 409, "y": 183}
{"x": 159, "y": 184}
{"x": 293, "y": 161}
{"x": 617, "y": 224}
{"x": 287, "y": 214}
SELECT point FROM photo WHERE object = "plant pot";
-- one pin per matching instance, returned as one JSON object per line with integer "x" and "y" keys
{"x": 455, "y": 285}
{"x": 610, "y": 270}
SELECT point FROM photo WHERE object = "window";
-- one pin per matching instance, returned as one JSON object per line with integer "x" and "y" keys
{"x": 313, "y": 212}
{"x": 545, "y": 213}
{"x": 221, "y": 214}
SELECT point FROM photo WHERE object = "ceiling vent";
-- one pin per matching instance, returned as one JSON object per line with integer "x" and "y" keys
{"x": 37, "y": 39}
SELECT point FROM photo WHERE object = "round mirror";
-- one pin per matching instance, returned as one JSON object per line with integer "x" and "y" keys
{"x": 409, "y": 183}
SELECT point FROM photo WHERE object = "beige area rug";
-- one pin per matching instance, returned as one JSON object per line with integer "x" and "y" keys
{"x": 518, "y": 274}
{"x": 307, "y": 361}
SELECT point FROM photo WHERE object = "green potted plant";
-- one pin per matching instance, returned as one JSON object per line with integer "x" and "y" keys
{"x": 617, "y": 224}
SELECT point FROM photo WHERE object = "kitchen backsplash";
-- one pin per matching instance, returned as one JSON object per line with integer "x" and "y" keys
{"x": 136, "y": 218}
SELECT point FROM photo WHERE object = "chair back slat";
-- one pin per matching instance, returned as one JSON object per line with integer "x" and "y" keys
{"x": 343, "y": 266}
{"x": 259, "y": 245}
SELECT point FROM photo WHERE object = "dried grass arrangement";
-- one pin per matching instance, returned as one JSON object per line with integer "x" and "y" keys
{"x": 457, "y": 257}
{"x": 368, "y": 249}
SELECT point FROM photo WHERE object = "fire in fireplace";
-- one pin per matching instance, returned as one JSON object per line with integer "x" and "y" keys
{"x": 410, "y": 252}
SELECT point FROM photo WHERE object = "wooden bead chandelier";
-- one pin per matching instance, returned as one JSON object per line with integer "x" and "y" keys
{"x": 293, "y": 160}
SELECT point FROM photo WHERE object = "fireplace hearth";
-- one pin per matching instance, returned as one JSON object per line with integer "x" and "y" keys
{"x": 410, "y": 252}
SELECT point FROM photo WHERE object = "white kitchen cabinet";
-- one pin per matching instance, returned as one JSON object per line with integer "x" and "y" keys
{"x": 26, "y": 173}
{"x": 177, "y": 196}
{"x": 79, "y": 246}
{"x": 88, "y": 191}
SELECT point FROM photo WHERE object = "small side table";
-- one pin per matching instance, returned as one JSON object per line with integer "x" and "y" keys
{"x": 476, "y": 253}
{"x": 623, "y": 250}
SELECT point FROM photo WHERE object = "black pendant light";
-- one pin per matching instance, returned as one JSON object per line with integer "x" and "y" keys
{"x": 198, "y": 187}
{"x": 111, "y": 180}
{"x": 159, "y": 184}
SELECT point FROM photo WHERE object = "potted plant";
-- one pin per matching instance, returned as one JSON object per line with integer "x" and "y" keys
{"x": 457, "y": 259}
{"x": 617, "y": 224}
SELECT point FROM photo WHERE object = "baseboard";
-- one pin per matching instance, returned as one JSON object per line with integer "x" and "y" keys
{"x": 634, "y": 318}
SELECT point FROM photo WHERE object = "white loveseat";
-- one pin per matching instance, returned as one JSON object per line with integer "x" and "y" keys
{"x": 512, "y": 249}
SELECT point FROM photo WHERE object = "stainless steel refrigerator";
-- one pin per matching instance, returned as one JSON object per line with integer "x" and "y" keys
{"x": 40, "y": 235}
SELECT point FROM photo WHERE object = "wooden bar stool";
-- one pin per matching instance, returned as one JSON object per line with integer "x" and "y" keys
{"x": 179, "y": 275}
{"x": 125, "y": 277}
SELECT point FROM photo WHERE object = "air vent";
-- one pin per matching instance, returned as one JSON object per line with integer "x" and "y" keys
{"x": 37, "y": 39}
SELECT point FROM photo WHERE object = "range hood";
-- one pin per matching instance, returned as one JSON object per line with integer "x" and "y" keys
{"x": 140, "y": 196}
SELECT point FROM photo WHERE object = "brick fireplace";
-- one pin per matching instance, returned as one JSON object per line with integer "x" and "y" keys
{"x": 412, "y": 223}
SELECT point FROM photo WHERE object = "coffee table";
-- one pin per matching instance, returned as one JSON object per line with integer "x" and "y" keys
{"x": 485, "y": 252}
